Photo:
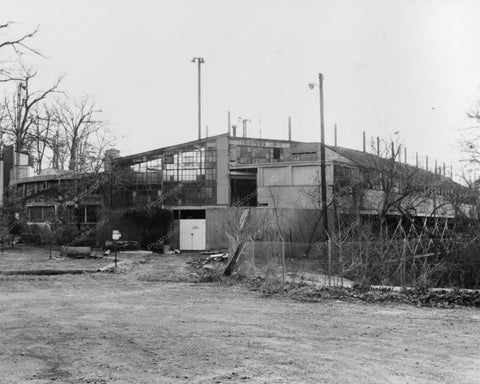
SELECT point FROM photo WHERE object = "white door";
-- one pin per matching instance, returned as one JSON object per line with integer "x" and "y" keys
{"x": 192, "y": 235}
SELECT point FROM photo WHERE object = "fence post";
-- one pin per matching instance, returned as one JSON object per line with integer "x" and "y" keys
{"x": 329, "y": 243}
{"x": 283, "y": 261}
{"x": 253, "y": 251}
{"x": 404, "y": 262}
{"x": 340, "y": 257}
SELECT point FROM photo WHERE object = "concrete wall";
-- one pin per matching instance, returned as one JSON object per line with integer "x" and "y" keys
{"x": 291, "y": 185}
{"x": 298, "y": 225}
{"x": 216, "y": 228}
{"x": 223, "y": 184}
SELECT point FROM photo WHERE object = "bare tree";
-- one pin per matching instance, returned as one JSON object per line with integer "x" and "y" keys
{"x": 80, "y": 121}
{"x": 20, "y": 108}
{"x": 92, "y": 155}
{"x": 18, "y": 43}
{"x": 42, "y": 136}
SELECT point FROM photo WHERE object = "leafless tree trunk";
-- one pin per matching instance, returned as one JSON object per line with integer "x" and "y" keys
{"x": 20, "y": 109}
{"x": 42, "y": 137}
{"x": 79, "y": 121}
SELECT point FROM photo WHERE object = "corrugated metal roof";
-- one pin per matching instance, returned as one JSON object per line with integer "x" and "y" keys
{"x": 371, "y": 161}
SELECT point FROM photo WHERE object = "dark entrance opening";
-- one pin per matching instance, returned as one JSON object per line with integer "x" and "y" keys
{"x": 243, "y": 187}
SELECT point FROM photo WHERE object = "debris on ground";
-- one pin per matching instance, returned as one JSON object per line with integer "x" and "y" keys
{"x": 210, "y": 262}
{"x": 433, "y": 298}
{"x": 122, "y": 245}
{"x": 213, "y": 252}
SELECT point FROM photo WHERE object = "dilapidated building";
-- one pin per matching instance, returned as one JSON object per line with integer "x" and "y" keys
{"x": 203, "y": 181}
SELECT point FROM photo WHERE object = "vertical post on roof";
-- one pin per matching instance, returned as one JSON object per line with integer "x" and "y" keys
{"x": 426, "y": 163}
{"x": 335, "y": 134}
{"x": 229, "y": 123}
{"x": 378, "y": 146}
{"x": 451, "y": 171}
{"x": 322, "y": 157}
{"x": 405, "y": 154}
{"x": 416, "y": 158}
{"x": 199, "y": 61}
{"x": 444, "y": 173}
{"x": 393, "y": 151}
{"x": 289, "y": 128}
{"x": 364, "y": 142}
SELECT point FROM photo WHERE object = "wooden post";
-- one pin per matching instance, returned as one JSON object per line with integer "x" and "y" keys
{"x": 340, "y": 257}
{"x": 283, "y": 261}
{"x": 329, "y": 243}
{"x": 253, "y": 251}
{"x": 404, "y": 262}
{"x": 335, "y": 134}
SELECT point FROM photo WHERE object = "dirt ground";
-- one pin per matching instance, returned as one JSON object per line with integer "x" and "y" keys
{"x": 23, "y": 257}
{"x": 145, "y": 326}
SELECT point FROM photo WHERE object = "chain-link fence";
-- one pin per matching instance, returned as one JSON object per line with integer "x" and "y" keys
{"x": 420, "y": 262}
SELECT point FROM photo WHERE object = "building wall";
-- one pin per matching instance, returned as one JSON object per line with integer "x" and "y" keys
{"x": 263, "y": 224}
{"x": 223, "y": 184}
{"x": 216, "y": 228}
{"x": 292, "y": 185}
{"x": 371, "y": 202}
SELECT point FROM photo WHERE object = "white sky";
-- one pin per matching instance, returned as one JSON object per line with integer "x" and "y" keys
{"x": 407, "y": 66}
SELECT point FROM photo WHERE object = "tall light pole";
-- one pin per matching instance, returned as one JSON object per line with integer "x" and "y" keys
{"x": 323, "y": 177}
{"x": 199, "y": 61}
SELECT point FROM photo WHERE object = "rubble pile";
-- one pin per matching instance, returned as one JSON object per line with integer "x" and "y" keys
{"x": 448, "y": 298}
{"x": 211, "y": 261}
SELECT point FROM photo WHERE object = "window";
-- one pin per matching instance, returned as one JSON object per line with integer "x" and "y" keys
{"x": 40, "y": 214}
{"x": 92, "y": 213}
{"x": 277, "y": 153}
{"x": 35, "y": 214}
{"x": 49, "y": 213}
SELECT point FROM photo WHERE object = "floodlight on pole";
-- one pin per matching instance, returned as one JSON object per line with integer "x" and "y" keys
{"x": 199, "y": 61}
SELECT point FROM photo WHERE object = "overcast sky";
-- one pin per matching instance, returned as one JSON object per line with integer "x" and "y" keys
{"x": 406, "y": 66}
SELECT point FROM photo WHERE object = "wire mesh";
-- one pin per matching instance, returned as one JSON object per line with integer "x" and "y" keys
{"x": 416, "y": 262}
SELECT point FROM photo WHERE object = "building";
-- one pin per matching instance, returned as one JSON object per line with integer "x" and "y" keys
{"x": 203, "y": 181}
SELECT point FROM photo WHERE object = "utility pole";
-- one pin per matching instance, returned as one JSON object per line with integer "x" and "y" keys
{"x": 19, "y": 117}
{"x": 323, "y": 177}
{"x": 199, "y": 61}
